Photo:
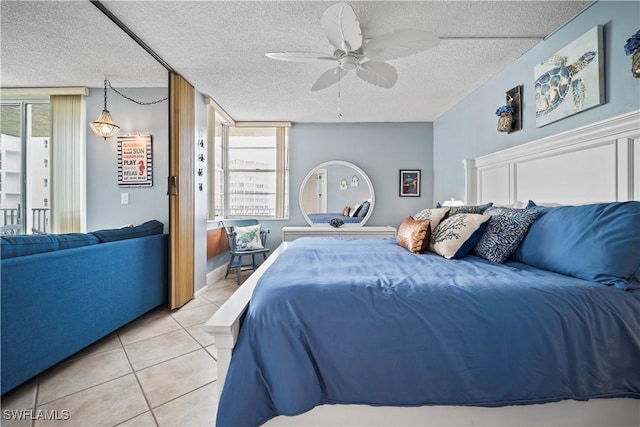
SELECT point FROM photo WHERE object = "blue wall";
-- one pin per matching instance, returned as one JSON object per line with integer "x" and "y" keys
{"x": 103, "y": 193}
{"x": 379, "y": 149}
{"x": 469, "y": 129}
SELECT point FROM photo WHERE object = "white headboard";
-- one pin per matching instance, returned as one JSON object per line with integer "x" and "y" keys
{"x": 595, "y": 163}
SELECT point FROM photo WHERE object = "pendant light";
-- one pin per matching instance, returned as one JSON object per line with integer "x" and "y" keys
{"x": 104, "y": 126}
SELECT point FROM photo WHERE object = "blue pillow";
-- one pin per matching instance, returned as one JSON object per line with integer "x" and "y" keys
{"x": 599, "y": 242}
{"x": 22, "y": 245}
{"x": 149, "y": 228}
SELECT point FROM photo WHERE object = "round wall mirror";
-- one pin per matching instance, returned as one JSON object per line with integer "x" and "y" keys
{"x": 336, "y": 189}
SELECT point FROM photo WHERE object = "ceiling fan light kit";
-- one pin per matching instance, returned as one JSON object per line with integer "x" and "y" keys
{"x": 352, "y": 52}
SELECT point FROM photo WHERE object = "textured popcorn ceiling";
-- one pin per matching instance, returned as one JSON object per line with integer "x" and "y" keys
{"x": 219, "y": 47}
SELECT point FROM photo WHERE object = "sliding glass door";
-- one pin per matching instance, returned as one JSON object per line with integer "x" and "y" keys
{"x": 24, "y": 167}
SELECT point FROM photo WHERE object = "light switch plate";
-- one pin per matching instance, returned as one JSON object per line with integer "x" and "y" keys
{"x": 124, "y": 198}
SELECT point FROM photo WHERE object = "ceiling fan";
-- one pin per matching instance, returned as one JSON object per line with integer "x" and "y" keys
{"x": 352, "y": 52}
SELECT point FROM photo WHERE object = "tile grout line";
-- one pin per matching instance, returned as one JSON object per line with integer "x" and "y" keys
{"x": 135, "y": 375}
{"x": 35, "y": 399}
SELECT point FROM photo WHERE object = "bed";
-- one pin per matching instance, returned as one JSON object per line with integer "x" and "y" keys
{"x": 325, "y": 218}
{"x": 421, "y": 340}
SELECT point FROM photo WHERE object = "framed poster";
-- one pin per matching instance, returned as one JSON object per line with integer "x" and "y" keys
{"x": 410, "y": 183}
{"x": 571, "y": 80}
{"x": 135, "y": 161}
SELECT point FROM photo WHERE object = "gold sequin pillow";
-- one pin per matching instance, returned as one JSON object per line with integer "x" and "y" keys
{"x": 414, "y": 235}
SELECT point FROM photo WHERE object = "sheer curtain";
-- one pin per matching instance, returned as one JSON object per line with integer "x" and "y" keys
{"x": 68, "y": 164}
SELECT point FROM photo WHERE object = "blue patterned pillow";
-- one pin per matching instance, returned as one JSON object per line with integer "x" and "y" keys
{"x": 505, "y": 232}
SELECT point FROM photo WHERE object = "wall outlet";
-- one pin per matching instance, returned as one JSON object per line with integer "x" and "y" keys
{"x": 124, "y": 198}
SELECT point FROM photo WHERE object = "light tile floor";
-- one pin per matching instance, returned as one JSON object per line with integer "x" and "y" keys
{"x": 159, "y": 370}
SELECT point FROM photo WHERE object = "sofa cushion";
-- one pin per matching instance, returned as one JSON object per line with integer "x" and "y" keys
{"x": 597, "y": 242}
{"x": 148, "y": 228}
{"x": 15, "y": 246}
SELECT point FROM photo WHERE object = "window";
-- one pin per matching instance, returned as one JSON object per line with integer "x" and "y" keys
{"x": 255, "y": 160}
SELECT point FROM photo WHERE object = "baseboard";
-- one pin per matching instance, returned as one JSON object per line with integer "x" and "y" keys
{"x": 212, "y": 277}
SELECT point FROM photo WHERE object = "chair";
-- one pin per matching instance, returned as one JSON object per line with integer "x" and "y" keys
{"x": 236, "y": 252}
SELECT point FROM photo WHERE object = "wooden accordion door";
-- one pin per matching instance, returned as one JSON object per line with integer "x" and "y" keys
{"x": 181, "y": 190}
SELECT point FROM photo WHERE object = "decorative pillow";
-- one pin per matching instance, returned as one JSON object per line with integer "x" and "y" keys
{"x": 248, "y": 237}
{"x": 413, "y": 235}
{"x": 355, "y": 210}
{"x": 345, "y": 211}
{"x": 504, "y": 233}
{"x": 148, "y": 228}
{"x": 474, "y": 209}
{"x": 364, "y": 208}
{"x": 435, "y": 215}
{"x": 457, "y": 235}
{"x": 597, "y": 242}
{"x": 498, "y": 210}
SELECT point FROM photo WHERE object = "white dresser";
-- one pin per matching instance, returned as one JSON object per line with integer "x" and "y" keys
{"x": 290, "y": 234}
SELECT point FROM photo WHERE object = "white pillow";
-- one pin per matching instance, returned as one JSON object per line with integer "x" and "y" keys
{"x": 354, "y": 210}
{"x": 458, "y": 234}
{"x": 434, "y": 215}
{"x": 248, "y": 237}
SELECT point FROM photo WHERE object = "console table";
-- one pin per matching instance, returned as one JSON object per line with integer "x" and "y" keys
{"x": 289, "y": 234}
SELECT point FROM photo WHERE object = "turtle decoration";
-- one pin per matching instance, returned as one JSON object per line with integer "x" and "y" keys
{"x": 553, "y": 86}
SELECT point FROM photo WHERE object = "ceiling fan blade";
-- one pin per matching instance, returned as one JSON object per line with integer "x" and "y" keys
{"x": 299, "y": 56}
{"x": 328, "y": 78}
{"x": 378, "y": 73}
{"x": 342, "y": 28}
{"x": 398, "y": 44}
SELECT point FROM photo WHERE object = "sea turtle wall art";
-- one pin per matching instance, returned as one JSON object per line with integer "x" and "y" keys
{"x": 571, "y": 80}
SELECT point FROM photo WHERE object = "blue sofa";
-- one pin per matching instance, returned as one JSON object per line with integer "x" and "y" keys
{"x": 56, "y": 302}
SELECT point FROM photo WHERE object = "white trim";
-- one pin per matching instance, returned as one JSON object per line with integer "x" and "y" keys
{"x": 21, "y": 92}
{"x": 262, "y": 124}
{"x": 220, "y": 111}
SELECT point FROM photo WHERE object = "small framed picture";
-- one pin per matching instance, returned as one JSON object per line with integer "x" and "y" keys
{"x": 409, "y": 182}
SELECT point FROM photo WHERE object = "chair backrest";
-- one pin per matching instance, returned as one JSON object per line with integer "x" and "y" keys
{"x": 229, "y": 226}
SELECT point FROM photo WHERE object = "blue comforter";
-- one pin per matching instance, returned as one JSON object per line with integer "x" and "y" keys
{"x": 364, "y": 321}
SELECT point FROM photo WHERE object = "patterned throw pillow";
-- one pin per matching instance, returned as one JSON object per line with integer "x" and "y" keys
{"x": 248, "y": 237}
{"x": 504, "y": 233}
{"x": 498, "y": 210}
{"x": 435, "y": 215}
{"x": 474, "y": 209}
{"x": 413, "y": 235}
{"x": 456, "y": 235}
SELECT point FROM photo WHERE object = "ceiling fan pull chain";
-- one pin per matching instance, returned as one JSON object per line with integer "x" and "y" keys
{"x": 339, "y": 78}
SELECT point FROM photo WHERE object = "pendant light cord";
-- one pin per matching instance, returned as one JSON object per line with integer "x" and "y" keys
{"x": 107, "y": 82}
{"x": 105, "y": 95}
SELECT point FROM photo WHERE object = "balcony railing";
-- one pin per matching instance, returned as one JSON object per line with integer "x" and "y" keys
{"x": 12, "y": 217}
